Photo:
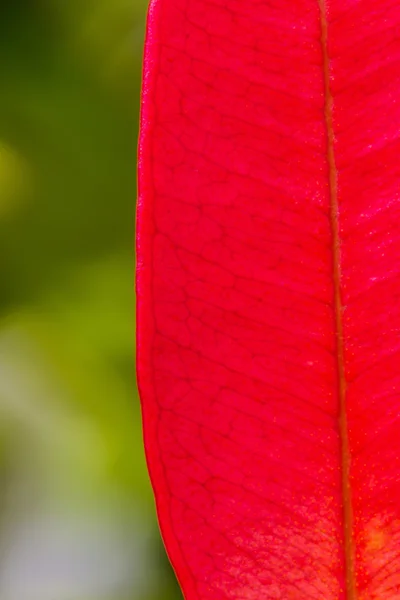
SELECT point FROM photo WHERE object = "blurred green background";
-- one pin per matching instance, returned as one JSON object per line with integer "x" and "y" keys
{"x": 77, "y": 518}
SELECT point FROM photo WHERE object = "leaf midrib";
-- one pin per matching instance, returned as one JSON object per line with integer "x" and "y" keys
{"x": 351, "y": 587}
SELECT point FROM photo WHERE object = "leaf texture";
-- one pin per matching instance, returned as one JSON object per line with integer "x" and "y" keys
{"x": 268, "y": 295}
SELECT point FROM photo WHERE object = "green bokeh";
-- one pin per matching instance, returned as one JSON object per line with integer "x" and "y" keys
{"x": 71, "y": 456}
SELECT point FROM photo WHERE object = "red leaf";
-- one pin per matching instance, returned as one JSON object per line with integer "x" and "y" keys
{"x": 268, "y": 289}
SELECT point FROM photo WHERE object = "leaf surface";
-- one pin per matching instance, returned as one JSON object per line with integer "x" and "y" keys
{"x": 268, "y": 295}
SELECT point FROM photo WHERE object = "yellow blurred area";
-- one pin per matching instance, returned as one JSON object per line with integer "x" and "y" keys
{"x": 77, "y": 519}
